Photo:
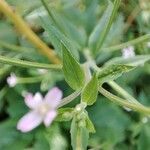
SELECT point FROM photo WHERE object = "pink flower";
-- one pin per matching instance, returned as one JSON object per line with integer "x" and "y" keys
{"x": 128, "y": 52}
{"x": 12, "y": 80}
{"x": 42, "y": 109}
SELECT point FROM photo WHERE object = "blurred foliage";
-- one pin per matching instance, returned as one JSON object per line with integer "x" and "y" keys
{"x": 74, "y": 21}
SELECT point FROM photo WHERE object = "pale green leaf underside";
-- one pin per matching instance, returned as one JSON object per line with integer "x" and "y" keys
{"x": 89, "y": 94}
{"x": 90, "y": 125}
{"x": 79, "y": 136}
{"x": 96, "y": 34}
{"x": 73, "y": 72}
{"x": 112, "y": 72}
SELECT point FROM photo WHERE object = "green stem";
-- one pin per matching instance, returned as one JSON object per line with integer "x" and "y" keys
{"x": 123, "y": 102}
{"x": 122, "y": 92}
{"x": 3, "y": 91}
{"x": 132, "y": 42}
{"x": 14, "y": 47}
{"x": 22, "y": 63}
{"x": 4, "y": 70}
{"x": 114, "y": 85}
{"x": 47, "y": 9}
{"x": 108, "y": 26}
{"x": 69, "y": 98}
{"x": 29, "y": 80}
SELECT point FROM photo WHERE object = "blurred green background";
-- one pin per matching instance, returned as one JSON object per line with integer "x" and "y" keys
{"x": 116, "y": 127}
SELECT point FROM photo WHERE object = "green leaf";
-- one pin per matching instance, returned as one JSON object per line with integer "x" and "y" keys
{"x": 57, "y": 38}
{"x": 64, "y": 114}
{"x": 111, "y": 123}
{"x": 74, "y": 74}
{"x": 96, "y": 34}
{"x": 108, "y": 25}
{"x": 79, "y": 136}
{"x": 55, "y": 138}
{"x": 114, "y": 32}
{"x": 3, "y": 92}
{"x": 9, "y": 136}
{"x": 7, "y": 33}
{"x": 64, "y": 25}
{"x": 90, "y": 125}
{"x": 143, "y": 141}
{"x": 134, "y": 61}
{"x": 89, "y": 94}
{"x": 112, "y": 72}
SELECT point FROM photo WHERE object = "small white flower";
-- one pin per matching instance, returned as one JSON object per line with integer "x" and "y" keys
{"x": 145, "y": 120}
{"x": 42, "y": 109}
{"x": 12, "y": 80}
{"x": 42, "y": 71}
{"x": 127, "y": 109}
{"x": 146, "y": 16}
{"x": 128, "y": 52}
{"x": 148, "y": 44}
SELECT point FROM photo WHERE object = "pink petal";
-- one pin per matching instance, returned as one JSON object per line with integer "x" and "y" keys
{"x": 53, "y": 97}
{"x": 33, "y": 101}
{"x": 49, "y": 117}
{"x": 29, "y": 121}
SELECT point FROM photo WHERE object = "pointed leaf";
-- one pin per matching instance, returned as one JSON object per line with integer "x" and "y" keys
{"x": 95, "y": 35}
{"x": 79, "y": 136}
{"x": 89, "y": 94}
{"x": 89, "y": 125}
{"x": 113, "y": 72}
{"x": 57, "y": 37}
{"x": 74, "y": 74}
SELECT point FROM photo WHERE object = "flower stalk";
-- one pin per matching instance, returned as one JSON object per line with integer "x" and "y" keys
{"x": 123, "y": 92}
{"x": 136, "y": 41}
{"x": 26, "y": 64}
{"x": 124, "y": 103}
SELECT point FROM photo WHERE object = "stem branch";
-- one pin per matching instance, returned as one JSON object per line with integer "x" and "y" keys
{"x": 123, "y": 102}
{"x": 69, "y": 98}
{"x": 29, "y": 79}
{"x": 126, "y": 44}
{"x": 26, "y": 64}
{"x": 122, "y": 92}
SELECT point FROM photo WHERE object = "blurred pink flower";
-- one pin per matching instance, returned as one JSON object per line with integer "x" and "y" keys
{"x": 128, "y": 52}
{"x": 12, "y": 80}
{"x": 42, "y": 109}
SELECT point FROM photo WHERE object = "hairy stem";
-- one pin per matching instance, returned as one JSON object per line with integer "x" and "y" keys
{"x": 69, "y": 98}
{"x": 123, "y": 102}
{"x": 123, "y": 92}
{"x": 26, "y": 64}
{"x": 126, "y": 44}
{"x": 113, "y": 84}
{"x": 26, "y": 31}
{"x": 29, "y": 79}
